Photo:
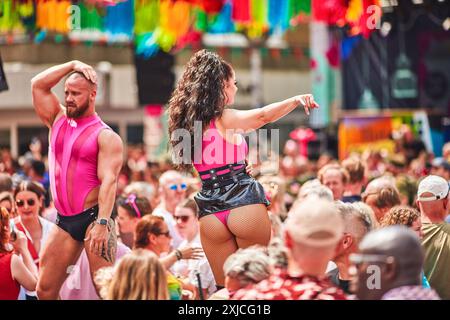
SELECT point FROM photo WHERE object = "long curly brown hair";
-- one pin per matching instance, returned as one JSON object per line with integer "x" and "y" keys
{"x": 199, "y": 96}
{"x": 4, "y": 230}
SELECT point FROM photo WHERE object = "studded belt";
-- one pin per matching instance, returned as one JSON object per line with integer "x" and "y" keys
{"x": 232, "y": 176}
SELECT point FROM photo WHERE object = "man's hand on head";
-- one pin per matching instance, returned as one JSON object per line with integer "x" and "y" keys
{"x": 87, "y": 70}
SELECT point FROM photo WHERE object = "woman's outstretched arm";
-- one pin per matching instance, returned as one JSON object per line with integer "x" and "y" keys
{"x": 249, "y": 120}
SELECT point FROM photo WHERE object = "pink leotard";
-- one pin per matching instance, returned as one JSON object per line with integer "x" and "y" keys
{"x": 218, "y": 152}
{"x": 73, "y": 153}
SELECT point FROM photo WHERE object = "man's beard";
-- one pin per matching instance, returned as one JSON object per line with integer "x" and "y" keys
{"x": 75, "y": 112}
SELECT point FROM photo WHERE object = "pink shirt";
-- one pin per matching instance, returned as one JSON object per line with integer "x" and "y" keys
{"x": 78, "y": 285}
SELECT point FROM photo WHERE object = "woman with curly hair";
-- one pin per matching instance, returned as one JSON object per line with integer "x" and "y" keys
{"x": 410, "y": 218}
{"x": 232, "y": 204}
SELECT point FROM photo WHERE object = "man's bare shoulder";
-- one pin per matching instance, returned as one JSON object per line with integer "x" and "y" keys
{"x": 108, "y": 138}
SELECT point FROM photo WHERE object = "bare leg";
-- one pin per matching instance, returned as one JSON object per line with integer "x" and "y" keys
{"x": 218, "y": 243}
{"x": 109, "y": 254}
{"x": 60, "y": 252}
{"x": 250, "y": 225}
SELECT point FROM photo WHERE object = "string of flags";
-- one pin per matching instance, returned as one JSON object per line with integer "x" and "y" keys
{"x": 152, "y": 25}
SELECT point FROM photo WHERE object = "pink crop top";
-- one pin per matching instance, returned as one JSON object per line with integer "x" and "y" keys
{"x": 73, "y": 153}
{"x": 218, "y": 152}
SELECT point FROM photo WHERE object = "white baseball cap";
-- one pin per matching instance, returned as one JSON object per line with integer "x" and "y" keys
{"x": 315, "y": 223}
{"x": 437, "y": 186}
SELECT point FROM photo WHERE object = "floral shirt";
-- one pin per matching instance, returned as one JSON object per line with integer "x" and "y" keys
{"x": 283, "y": 286}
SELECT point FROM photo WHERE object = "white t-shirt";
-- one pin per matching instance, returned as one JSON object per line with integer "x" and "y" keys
{"x": 189, "y": 268}
{"x": 171, "y": 224}
{"x": 46, "y": 227}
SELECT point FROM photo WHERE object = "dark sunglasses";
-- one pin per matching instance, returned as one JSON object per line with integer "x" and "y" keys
{"x": 167, "y": 234}
{"x": 182, "y": 218}
{"x": 21, "y": 203}
{"x": 176, "y": 187}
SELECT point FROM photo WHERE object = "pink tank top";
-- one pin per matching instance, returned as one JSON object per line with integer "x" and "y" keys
{"x": 73, "y": 153}
{"x": 218, "y": 152}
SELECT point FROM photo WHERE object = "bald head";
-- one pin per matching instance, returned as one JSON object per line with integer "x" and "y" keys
{"x": 169, "y": 176}
{"x": 401, "y": 243}
{"x": 80, "y": 79}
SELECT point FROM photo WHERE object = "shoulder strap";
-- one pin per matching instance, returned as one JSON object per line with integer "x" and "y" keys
{"x": 31, "y": 248}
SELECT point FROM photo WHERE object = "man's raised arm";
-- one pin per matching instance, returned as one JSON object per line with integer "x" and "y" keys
{"x": 45, "y": 101}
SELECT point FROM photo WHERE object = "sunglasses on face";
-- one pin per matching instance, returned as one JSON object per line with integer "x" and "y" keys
{"x": 175, "y": 187}
{"x": 21, "y": 203}
{"x": 358, "y": 259}
{"x": 182, "y": 218}
{"x": 167, "y": 234}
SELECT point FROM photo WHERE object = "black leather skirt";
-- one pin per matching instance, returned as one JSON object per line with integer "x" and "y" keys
{"x": 235, "y": 189}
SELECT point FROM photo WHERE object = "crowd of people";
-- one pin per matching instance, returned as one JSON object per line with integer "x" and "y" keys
{"x": 82, "y": 224}
{"x": 345, "y": 221}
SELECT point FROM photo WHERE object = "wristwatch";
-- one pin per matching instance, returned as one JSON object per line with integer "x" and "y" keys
{"x": 101, "y": 221}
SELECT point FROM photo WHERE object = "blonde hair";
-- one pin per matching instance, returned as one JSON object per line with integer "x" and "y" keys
{"x": 138, "y": 276}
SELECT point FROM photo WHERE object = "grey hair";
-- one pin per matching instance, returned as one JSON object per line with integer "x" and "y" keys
{"x": 355, "y": 222}
{"x": 249, "y": 265}
{"x": 366, "y": 213}
{"x": 319, "y": 191}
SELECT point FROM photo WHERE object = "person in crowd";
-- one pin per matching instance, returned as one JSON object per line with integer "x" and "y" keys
{"x": 433, "y": 203}
{"x": 7, "y": 202}
{"x": 6, "y": 182}
{"x": 407, "y": 216}
{"x": 381, "y": 195}
{"x": 143, "y": 190}
{"x": 441, "y": 167}
{"x": 230, "y": 200}
{"x": 275, "y": 188}
{"x": 357, "y": 179}
{"x": 152, "y": 233}
{"x": 79, "y": 285}
{"x": 367, "y": 211}
{"x": 356, "y": 226}
{"x": 374, "y": 162}
{"x": 407, "y": 189}
{"x": 138, "y": 276}
{"x": 172, "y": 191}
{"x": 85, "y": 158}
{"x": 196, "y": 271}
{"x": 243, "y": 268}
{"x": 38, "y": 174}
{"x": 17, "y": 267}
{"x": 130, "y": 209}
{"x": 29, "y": 198}
{"x": 312, "y": 232}
{"x": 334, "y": 177}
{"x": 389, "y": 266}
{"x": 312, "y": 189}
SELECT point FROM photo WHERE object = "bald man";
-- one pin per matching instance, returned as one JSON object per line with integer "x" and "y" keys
{"x": 389, "y": 266}
{"x": 172, "y": 189}
{"x": 85, "y": 157}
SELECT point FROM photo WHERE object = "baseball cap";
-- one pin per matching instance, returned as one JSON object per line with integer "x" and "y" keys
{"x": 315, "y": 223}
{"x": 435, "y": 185}
{"x": 440, "y": 163}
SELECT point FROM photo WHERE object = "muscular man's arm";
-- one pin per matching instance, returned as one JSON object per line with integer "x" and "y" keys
{"x": 45, "y": 101}
{"x": 110, "y": 160}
